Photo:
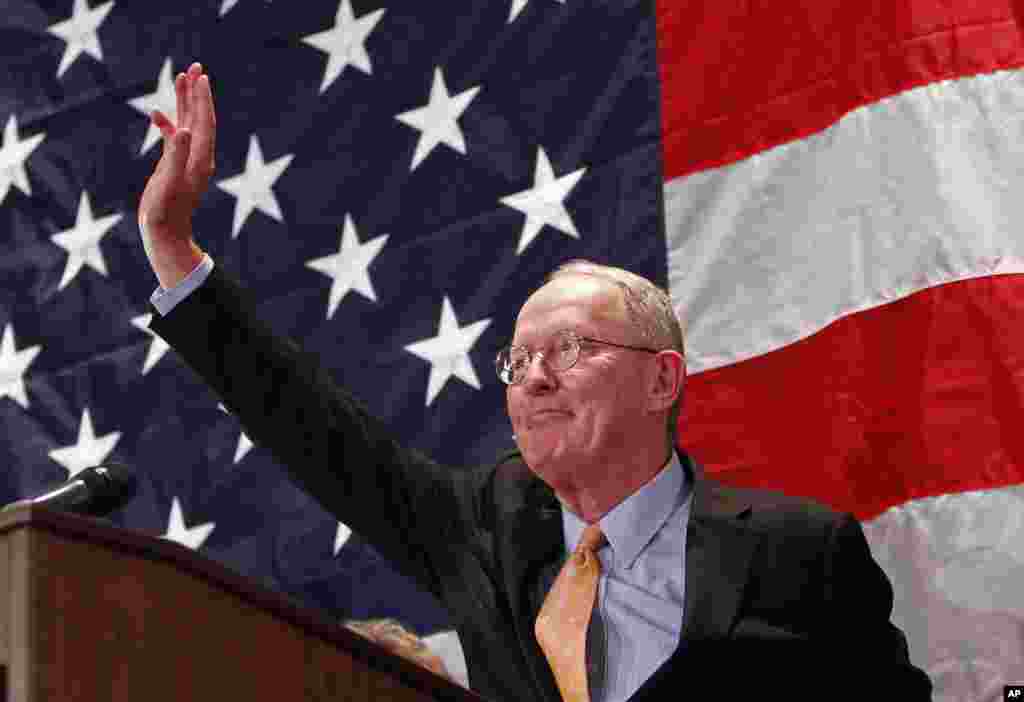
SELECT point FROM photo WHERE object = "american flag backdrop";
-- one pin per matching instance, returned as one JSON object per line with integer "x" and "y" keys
{"x": 829, "y": 188}
{"x": 392, "y": 180}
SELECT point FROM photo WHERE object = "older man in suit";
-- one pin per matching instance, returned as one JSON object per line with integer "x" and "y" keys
{"x": 595, "y": 563}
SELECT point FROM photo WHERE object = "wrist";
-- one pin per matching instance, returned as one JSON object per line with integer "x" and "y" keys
{"x": 172, "y": 261}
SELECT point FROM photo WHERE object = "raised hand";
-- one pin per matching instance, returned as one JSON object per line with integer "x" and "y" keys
{"x": 180, "y": 178}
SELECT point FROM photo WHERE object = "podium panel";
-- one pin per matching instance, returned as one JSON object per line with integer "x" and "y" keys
{"x": 92, "y": 612}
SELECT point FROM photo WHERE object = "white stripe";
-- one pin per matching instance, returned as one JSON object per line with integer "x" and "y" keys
{"x": 957, "y": 566}
{"x": 917, "y": 190}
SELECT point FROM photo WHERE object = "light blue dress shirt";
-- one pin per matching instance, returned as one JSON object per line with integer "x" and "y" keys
{"x": 640, "y": 592}
{"x": 165, "y": 300}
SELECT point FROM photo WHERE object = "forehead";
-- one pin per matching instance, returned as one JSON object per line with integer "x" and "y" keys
{"x": 583, "y": 303}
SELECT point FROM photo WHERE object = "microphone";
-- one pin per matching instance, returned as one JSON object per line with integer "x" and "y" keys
{"x": 95, "y": 491}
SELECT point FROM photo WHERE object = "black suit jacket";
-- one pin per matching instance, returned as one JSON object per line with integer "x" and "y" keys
{"x": 782, "y": 594}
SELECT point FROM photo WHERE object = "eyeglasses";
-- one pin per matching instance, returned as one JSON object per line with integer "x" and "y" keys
{"x": 561, "y": 354}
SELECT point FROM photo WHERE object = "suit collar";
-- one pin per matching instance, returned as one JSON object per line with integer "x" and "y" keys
{"x": 719, "y": 547}
{"x": 709, "y": 498}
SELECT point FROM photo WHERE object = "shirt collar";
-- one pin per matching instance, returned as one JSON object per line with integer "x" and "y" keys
{"x": 631, "y": 524}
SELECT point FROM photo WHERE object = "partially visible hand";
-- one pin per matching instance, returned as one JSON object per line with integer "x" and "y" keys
{"x": 398, "y": 640}
{"x": 181, "y": 177}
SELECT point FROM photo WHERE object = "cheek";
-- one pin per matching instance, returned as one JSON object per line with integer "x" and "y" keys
{"x": 593, "y": 424}
{"x": 517, "y": 416}
{"x": 512, "y": 407}
{"x": 609, "y": 413}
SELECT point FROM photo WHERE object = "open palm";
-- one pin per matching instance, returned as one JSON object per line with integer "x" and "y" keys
{"x": 183, "y": 173}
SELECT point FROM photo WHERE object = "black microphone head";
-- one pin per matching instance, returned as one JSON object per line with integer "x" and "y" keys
{"x": 111, "y": 485}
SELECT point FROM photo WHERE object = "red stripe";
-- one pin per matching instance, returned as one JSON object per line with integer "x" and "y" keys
{"x": 917, "y": 398}
{"x": 740, "y": 77}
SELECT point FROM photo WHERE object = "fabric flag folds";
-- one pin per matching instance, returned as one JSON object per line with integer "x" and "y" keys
{"x": 844, "y": 224}
{"x": 829, "y": 188}
{"x": 393, "y": 179}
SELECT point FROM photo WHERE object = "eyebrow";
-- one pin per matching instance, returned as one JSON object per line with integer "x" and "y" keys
{"x": 510, "y": 340}
{"x": 509, "y": 343}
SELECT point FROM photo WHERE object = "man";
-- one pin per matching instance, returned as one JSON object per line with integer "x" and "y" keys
{"x": 681, "y": 583}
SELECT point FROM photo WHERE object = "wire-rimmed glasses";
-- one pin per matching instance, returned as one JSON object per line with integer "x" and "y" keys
{"x": 561, "y": 353}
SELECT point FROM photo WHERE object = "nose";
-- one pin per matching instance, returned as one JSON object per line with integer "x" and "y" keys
{"x": 539, "y": 376}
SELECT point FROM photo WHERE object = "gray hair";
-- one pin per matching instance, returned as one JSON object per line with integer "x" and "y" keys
{"x": 649, "y": 308}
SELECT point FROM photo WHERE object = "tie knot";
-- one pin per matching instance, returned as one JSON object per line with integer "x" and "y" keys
{"x": 593, "y": 539}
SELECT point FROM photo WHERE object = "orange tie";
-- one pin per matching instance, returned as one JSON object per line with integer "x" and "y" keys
{"x": 561, "y": 626}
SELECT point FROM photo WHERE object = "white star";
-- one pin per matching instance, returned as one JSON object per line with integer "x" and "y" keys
{"x": 82, "y": 242}
{"x": 253, "y": 186}
{"x": 349, "y": 267}
{"x": 157, "y": 348}
{"x": 163, "y": 99}
{"x": 244, "y": 442}
{"x": 192, "y": 537}
{"x": 227, "y": 5}
{"x": 448, "y": 352}
{"x": 437, "y": 119}
{"x": 517, "y": 7}
{"x": 344, "y": 42}
{"x": 79, "y": 31}
{"x": 13, "y": 155}
{"x": 89, "y": 450}
{"x": 12, "y": 367}
{"x": 341, "y": 537}
{"x": 543, "y": 203}
{"x": 244, "y": 446}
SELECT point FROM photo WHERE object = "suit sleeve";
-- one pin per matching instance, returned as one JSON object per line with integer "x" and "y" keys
{"x": 871, "y": 650}
{"x": 414, "y": 511}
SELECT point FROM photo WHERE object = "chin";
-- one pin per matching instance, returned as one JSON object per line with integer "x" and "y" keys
{"x": 547, "y": 462}
{"x": 535, "y": 454}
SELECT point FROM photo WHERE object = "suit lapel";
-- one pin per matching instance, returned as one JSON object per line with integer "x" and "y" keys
{"x": 531, "y": 554}
{"x": 718, "y": 552}
{"x": 719, "y": 548}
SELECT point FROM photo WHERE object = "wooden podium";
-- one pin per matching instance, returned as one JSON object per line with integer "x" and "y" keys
{"x": 92, "y": 612}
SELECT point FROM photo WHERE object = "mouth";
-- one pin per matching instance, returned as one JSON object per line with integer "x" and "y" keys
{"x": 547, "y": 415}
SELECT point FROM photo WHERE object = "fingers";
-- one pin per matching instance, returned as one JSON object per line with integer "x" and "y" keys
{"x": 185, "y": 166}
{"x": 203, "y": 102}
{"x": 180, "y": 145}
{"x": 171, "y": 165}
{"x": 164, "y": 187}
{"x": 186, "y": 94}
{"x": 185, "y": 97}
{"x": 167, "y": 129}
{"x": 204, "y": 129}
{"x": 194, "y": 106}
{"x": 163, "y": 123}
{"x": 181, "y": 98}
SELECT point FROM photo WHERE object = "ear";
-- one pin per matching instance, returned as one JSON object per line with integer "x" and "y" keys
{"x": 666, "y": 380}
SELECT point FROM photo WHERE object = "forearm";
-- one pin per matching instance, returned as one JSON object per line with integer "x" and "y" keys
{"x": 397, "y": 499}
